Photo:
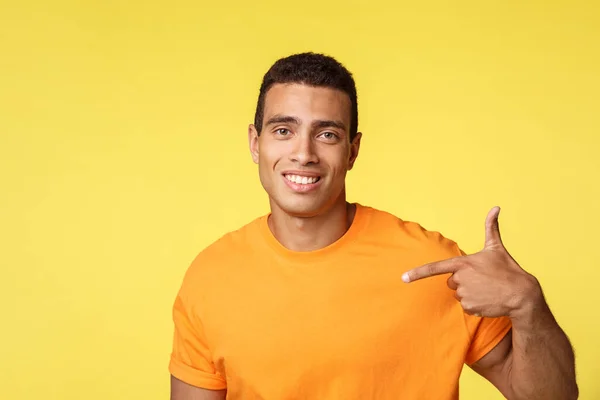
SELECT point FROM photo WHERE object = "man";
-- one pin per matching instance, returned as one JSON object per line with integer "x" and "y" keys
{"x": 325, "y": 299}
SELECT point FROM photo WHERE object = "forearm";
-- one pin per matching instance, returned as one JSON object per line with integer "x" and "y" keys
{"x": 542, "y": 361}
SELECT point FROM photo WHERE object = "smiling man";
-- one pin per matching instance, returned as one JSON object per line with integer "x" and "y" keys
{"x": 326, "y": 299}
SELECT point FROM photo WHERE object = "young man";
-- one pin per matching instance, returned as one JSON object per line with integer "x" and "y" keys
{"x": 324, "y": 299}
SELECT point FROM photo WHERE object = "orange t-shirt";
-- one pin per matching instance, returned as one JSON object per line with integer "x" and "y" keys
{"x": 268, "y": 323}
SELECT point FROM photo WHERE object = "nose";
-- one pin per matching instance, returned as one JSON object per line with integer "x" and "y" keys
{"x": 304, "y": 151}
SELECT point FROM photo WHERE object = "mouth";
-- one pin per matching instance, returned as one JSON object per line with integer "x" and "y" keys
{"x": 302, "y": 183}
{"x": 301, "y": 179}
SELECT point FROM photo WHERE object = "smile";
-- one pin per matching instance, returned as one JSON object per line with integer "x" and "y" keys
{"x": 302, "y": 180}
{"x": 304, "y": 183}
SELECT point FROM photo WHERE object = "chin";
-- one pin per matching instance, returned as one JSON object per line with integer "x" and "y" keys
{"x": 301, "y": 208}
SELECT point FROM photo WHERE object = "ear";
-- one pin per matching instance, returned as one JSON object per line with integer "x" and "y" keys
{"x": 253, "y": 142}
{"x": 354, "y": 148}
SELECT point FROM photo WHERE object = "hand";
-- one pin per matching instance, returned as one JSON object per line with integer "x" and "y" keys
{"x": 489, "y": 283}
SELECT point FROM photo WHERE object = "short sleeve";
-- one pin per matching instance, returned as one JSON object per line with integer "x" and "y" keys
{"x": 191, "y": 359}
{"x": 485, "y": 333}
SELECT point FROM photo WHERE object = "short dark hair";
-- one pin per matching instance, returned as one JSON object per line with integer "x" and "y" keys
{"x": 310, "y": 69}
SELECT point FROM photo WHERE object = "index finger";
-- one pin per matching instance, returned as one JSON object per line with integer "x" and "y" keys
{"x": 437, "y": 268}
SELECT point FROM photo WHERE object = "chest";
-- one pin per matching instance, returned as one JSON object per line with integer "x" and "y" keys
{"x": 325, "y": 323}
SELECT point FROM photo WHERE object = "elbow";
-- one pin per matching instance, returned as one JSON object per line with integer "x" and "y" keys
{"x": 570, "y": 392}
{"x": 574, "y": 392}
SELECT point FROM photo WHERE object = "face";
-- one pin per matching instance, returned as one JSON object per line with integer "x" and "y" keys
{"x": 303, "y": 151}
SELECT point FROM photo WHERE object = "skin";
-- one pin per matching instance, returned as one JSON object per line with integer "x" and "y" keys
{"x": 536, "y": 360}
{"x": 182, "y": 391}
{"x": 305, "y": 130}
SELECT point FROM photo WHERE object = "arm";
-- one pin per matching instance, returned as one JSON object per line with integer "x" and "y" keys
{"x": 193, "y": 373}
{"x": 182, "y": 391}
{"x": 535, "y": 360}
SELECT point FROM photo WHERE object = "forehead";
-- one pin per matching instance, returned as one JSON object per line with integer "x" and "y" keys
{"x": 307, "y": 103}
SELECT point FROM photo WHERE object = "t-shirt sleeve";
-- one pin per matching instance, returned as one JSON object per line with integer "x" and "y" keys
{"x": 191, "y": 359}
{"x": 485, "y": 333}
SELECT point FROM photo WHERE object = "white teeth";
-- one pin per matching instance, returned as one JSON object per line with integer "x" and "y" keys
{"x": 301, "y": 180}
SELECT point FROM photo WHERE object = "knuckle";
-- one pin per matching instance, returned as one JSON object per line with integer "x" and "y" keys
{"x": 466, "y": 305}
{"x": 456, "y": 277}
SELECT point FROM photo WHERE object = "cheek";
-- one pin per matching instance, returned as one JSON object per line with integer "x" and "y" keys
{"x": 265, "y": 177}
{"x": 339, "y": 163}
{"x": 264, "y": 167}
{"x": 268, "y": 159}
{"x": 270, "y": 154}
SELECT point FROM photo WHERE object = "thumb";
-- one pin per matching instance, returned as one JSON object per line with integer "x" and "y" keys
{"x": 492, "y": 230}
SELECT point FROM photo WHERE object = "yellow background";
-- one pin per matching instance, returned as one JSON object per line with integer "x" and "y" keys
{"x": 123, "y": 153}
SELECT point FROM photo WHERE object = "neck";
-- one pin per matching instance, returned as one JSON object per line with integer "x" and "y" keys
{"x": 312, "y": 233}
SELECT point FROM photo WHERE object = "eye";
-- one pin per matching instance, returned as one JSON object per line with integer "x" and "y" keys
{"x": 329, "y": 135}
{"x": 282, "y": 131}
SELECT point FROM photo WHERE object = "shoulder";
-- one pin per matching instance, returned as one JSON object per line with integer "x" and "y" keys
{"x": 403, "y": 233}
{"x": 229, "y": 249}
{"x": 239, "y": 239}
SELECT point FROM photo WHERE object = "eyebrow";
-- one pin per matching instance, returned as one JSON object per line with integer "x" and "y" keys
{"x": 319, "y": 124}
{"x": 329, "y": 124}
{"x": 283, "y": 119}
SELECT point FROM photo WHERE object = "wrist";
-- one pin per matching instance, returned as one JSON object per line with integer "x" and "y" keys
{"x": 530, "y": 305}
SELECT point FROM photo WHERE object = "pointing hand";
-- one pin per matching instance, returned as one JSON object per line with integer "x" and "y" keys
{"x": 489, "y": 283}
